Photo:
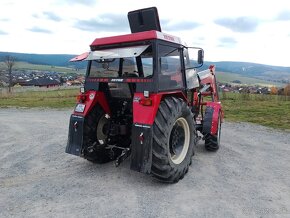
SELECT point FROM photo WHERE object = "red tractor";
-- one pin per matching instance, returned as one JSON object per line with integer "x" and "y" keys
{"x": 143, "y": 98}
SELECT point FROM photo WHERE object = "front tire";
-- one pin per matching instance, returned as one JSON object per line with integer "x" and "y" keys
{"x": 212, "y": 142}
{"x": 174, "y": 136}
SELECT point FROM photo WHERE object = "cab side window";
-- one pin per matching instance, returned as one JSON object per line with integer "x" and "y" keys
{"x": 170, "y": 76}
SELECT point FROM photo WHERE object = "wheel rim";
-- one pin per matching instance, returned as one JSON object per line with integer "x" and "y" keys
{"x": 179, "y": 140}
{"x": 102, "y": 128}
{"x": 219, "y": 131}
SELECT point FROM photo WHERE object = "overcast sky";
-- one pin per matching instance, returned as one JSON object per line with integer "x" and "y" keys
{"x": 228, "y": 30}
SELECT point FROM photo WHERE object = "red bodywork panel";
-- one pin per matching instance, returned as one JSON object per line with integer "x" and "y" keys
{"x": 217, "y": 109}
{"x": 80, "y": 57}
{"x": 211, "y": 80}
{"x": 125, "y": 38}
{"x": 135, "y": 37}
{"x": 146, "y": 114}
{"x": 142, "y": 114}
{"x": 91, "y": 99}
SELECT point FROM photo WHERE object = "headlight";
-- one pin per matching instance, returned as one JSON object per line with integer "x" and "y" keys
{"x": 80, "y": 108}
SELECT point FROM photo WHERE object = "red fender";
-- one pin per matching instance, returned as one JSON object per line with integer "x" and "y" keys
{"x": 145, "y": 114}
{"x": 90, "y": 99}
{"x": 217, "y": 109}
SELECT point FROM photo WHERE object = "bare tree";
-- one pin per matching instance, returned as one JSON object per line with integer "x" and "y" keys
{"x": 10, "y": 62}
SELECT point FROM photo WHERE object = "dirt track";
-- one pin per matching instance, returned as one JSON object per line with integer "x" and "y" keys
{"x": 248, "y": 177}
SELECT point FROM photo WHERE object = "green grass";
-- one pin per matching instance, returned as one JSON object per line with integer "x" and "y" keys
{"x": 267, "y": 110}
{"x": 225, "y": 77}
{"x": 63, "y": 98}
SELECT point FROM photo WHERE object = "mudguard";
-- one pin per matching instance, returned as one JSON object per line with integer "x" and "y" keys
{"x": 141, "y": 148}
{"x": 142, "y": 130}
{"x": 211, "y": 116}
{"x": 75, "y": 135}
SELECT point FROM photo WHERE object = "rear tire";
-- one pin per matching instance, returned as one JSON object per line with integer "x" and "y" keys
{"x": 212, "y": 142}
{"x": 93, "y": 137}
{"x": 174, "y": 136}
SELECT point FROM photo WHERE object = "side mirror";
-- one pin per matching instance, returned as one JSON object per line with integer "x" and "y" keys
{"x": 193, "y": 57}
{"x": 200, "y": 56}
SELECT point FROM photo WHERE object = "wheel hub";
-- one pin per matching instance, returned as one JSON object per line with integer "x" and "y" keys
{"x": 179, "y": 140}
{"x": 102, "y": 129}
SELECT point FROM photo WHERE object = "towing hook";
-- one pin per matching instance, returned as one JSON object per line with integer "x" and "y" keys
{"x": 124, "y": 155}
{"x": 205, "y": 136}
{"x": 198, "y": 138}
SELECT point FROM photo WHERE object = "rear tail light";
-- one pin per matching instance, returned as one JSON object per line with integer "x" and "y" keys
{"x": 82, "y": 97}
{"x": 146, "y": 101}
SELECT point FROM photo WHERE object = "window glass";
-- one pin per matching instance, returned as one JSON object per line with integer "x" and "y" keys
{"x": 104, "y": 68}
{"x": 123, "y": 66}
{"x": 119, "y": 90}
{"x": 170, "y": 76}
{"x": 147, "y": 66}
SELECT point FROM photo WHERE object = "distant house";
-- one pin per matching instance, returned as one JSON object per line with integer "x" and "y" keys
{"x": 263, "y": 90}
{"x": 41, "y": 82}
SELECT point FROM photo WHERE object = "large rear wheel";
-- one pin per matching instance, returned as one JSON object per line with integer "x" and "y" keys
{"x": 95, "y": 133}
{"x": 174, "y": 136}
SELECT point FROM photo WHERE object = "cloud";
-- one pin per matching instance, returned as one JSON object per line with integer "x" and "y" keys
{"x": 51, "y": 16}
{"x": 239, "y": 24}
{"x": 178, "y": 26}
{"x": 4, "y": 19}
{"x": 39, "y": 30}
{"x": 81, "y": 2}
{"x": 47, "y": 15}
{"x": 283, "y": 16}
{"x": 35, "y": 16}
{"x": 106, "y": 22}
{"x": 119, "y": 22}
{"x": 3, "y": 33}
{"x": 227, "y": 42}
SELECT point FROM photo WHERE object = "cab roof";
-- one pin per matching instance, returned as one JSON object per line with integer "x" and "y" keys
{"x": 135, "y": 37}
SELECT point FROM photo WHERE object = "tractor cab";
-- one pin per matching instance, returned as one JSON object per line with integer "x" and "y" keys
{"x": 150, "y": 61}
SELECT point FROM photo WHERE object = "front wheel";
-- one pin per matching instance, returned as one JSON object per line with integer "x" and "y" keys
{"x": 212, "y": 142}
{"x": 174, "y": 136}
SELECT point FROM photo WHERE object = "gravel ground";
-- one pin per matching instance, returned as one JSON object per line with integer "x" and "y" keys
{"x": 248, "y": 177}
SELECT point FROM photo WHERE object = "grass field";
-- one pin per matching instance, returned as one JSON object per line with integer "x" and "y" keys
{"x": 225, "y": 77}
{"x": 267, "y": 110}
{"x": 62, "y": 98}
